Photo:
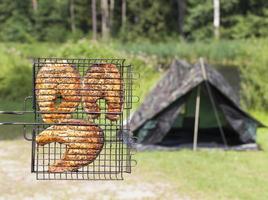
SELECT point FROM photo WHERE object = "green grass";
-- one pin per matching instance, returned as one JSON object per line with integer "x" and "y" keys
{"x": 211, "y": 174}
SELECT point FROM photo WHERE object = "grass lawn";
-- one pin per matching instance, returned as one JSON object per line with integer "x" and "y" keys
{"x": 205, "y": 174}
{"x": 212, "y": 174}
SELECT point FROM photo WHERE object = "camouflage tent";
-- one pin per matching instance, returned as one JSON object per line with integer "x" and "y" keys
{"x": 168, "y": 114}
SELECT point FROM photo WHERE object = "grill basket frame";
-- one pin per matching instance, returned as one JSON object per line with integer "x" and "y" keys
{"x": 115, "y": 159}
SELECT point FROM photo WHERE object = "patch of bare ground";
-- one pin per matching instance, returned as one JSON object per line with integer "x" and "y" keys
{"x": 17, "y": 182}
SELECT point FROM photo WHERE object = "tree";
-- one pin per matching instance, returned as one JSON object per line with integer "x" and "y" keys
{"x": 151, "y": 19}
{"x": 83, "y": 17}
{"x": 124, "y": 12}
{"x": 94, "y": 19}
{"x": 72, "y": 15}
{"x": 16, "y": 21}
{"x": 111, "y": 12}
{"x": 44, "y": 20}
{"x": 52, "y": 21}
{"x": 216, "y": 19}
{"x": 105, "y": 19}
{"x": 35, "y": 5}
{"x": 181, "y": 10}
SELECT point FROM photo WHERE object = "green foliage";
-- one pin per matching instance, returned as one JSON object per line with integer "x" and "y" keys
{"x": 150, "y": 19}
{"x": 15, "y": 77}
{"x": 148, "y": 59}
{"x": 255, "y": 87}
{"x": 85, "y": 48}
{"x": 243, "y": 19}
{"x": 50, "y": 21}
{"x": 239, "y": 19}
{"x": 82, "y": 9}
{"x": 15, "y": 21}
{"x": 145, "y": 19}
{"x": 199, "y": 19}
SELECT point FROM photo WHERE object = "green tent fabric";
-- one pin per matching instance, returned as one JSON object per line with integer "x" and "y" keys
{"x": 188, "y": 112}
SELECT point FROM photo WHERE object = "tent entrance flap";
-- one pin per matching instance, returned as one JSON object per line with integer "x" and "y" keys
{"x": 207, "y": 120}
{"x": 208, "y": 131}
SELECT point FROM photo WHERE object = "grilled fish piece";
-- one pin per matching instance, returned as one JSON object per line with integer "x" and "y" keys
{"x": 56, "y": 80}
{"x": 103, "y": 81}
{"x": 84, "y": 141}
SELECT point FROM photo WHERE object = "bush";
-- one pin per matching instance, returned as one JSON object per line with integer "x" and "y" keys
{"x": 15, "y": 78}
{"x": 16, "y": 29}
{"x": 249, "y": 56}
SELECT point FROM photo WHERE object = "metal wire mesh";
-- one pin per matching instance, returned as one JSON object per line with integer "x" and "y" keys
{"x": 83, "y": 142}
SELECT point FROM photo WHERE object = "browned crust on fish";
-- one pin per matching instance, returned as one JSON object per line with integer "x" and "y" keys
{"x": 103, "y": 81}
{"x": 53, "y": 80}
{"x": 84, "y": 141}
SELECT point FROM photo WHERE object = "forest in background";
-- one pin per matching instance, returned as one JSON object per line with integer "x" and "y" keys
{"x": 148, "y": 33}
{"x": 155, "y": 20}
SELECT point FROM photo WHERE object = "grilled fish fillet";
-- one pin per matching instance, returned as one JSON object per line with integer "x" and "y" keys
{"x": 103, "y": 81}
{"x": 84, "y": 141}
{"x": 53, "y": 81}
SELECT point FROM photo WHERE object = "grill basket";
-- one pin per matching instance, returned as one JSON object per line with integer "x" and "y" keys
{"x": 75, "y": 141}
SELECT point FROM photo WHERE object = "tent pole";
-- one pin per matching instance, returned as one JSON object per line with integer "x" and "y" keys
{"x": 213, "y": 102}
{"x": 196, "y": 123}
